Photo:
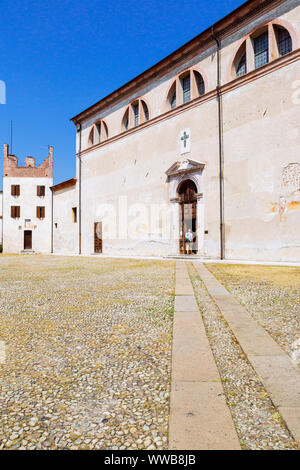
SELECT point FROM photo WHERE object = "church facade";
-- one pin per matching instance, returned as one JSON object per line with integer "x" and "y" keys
{"x": 199, "y": 154}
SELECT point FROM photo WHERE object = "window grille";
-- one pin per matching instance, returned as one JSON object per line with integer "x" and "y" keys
{"x": 136, "y": 114}
{"x": 284, "y": 41}
{"x": 186, "y": 86}
{"x": 146, "y": 111}
{"x": 242, "y": 67}
{"x": 200, "y": 85}
{"x": 261, "y": 50}
{"x": 173, "y": 100}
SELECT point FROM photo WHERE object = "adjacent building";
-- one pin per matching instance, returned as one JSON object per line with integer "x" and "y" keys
{"x": 27, "y": 204}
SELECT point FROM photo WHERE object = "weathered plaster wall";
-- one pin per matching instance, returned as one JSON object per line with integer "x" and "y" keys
{"x": 261, "y": 142}
{"x": 262, "y": 168}
{"x": 134, "y": 168}
{"x": 65, "y": 230}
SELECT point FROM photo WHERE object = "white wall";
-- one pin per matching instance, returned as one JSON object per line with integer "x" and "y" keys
{"x": 13, "y": 229}
{"x": 65, "y": 234}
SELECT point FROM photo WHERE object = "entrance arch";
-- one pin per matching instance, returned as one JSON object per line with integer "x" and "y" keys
{"x": 185, "y": 178}
{"x": 187, "y": 199}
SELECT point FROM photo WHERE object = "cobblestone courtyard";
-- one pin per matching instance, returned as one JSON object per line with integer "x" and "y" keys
{"x": 88, "y": 352}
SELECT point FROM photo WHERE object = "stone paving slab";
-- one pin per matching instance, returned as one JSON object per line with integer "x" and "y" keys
{"x": 199, "y": 416}
{"x": 278, "y": 374}
{"x": 280, "y": 377}
{"x": 185, "y": 303}
{"x": 292, "y": 417}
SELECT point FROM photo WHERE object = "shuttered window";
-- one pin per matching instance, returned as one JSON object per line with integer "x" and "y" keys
{"x": 261, "y": 50}
{"x": 40, "y": 212}
{"x": 15, "y": 190}
{"x": 40, "y": 190}
{"x": 15, "y": 212}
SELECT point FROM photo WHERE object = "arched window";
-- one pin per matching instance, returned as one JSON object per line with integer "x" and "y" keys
{"x": 200, "y": 83}
{"x": 125, "y": 122}
{"x": 270, "y": 42}
{"x": 136, "y": 113}
{"x": 189, "y": 85}
{"x": 91, "y": 137}
{"x": 261, "y": 49}
{"x": 240, "y": 61}
{"x": 99, "y": 133}
{"x": 284, "y": 41}
{"x": 172, "y": 96}
{"x": 186, "y": 87}
{"x": 241, "y": 68}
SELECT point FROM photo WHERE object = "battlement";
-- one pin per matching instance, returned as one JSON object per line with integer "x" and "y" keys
{"x": 30, "y": 170}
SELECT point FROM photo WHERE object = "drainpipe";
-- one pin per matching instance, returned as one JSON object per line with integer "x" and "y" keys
{"x": 79, "y": 190}
{"x": 51, "y": 220}
{"x": 221, "y": 159}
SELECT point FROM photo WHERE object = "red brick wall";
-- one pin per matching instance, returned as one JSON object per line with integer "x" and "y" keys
{"x": 11, "y": 168}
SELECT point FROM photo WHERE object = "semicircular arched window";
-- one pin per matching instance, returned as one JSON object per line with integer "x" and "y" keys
{"x": 284, "y": 40}
{"x": 187, "y": 86}
{"x": 136, "y": 113}
{"x": 255, "y": 52}
{"x": 98, "y": 133}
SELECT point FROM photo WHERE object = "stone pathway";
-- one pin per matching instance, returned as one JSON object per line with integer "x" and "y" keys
{"x": 199, "y": 415}
{"x": 278, "y": 374}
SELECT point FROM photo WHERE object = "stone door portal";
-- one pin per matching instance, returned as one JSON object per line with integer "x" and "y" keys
{"x": 187, "y": 193}
{"x": 27, "y": 240}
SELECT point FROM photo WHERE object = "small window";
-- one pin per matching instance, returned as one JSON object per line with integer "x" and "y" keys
{"x": 15, "y": 190}
{"x": 261, "y": 50}
{"x": 186, "y": 88}
{"x": 173, "y": 100}
{"x": 91, "y": 138}
{"x": 146, "y": 111}
{"x": 126, "y": 121}
{"x": 40, "y": 212}
{"x": 15, "y": 212}
{"x": 241, "y": 67}
{"x": 200, "y": 83}
{"x": 172, "y": 96}
{"x": 100, "y": 132}
{"x": 74, "y": 214}
{"x": 40, "y": 191}
{"x": 55, "y": 225}
{"x": 135, "y": 108}
{"x": 284, "y": 41}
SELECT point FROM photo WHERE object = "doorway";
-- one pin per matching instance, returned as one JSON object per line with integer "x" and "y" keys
{"x": 98, "y": 237}
{"x": 27, "y": 240}
{"x": 187, "y": 194}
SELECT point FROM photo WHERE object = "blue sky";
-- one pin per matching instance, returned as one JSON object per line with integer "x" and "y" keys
{"x": 59, "y": 57}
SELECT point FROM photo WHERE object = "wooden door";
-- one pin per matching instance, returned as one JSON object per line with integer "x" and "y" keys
{"x": 98, "y": 237}
{"x": 27, "y": 240}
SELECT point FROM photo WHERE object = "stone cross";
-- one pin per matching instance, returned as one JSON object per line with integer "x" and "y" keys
{"x": 184, "y": 138}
